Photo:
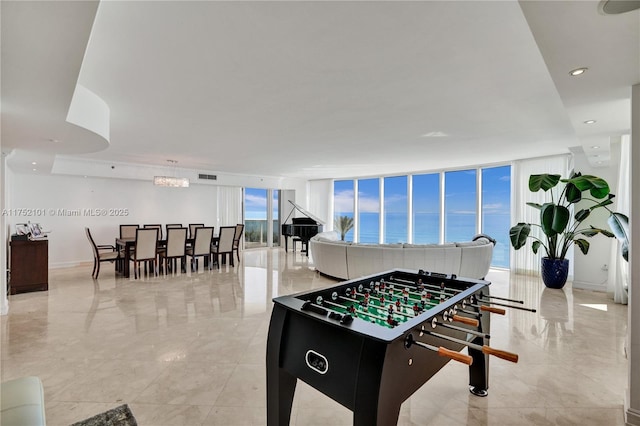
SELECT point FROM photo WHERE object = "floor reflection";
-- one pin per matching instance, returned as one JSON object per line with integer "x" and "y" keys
{"x": 188, "y": 349}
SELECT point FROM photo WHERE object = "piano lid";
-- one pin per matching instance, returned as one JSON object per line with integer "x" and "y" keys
{"x": 304, "y": 212}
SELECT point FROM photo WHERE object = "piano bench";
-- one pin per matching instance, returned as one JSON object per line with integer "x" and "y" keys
{"x": 303, "y": 245}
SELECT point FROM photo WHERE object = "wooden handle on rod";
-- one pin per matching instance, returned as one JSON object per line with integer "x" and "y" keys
{"x": 465, "y": 320}
{"x": 500, "y": 353}
{"x": 493, "y": 310}
{"x": 457, "y": 356}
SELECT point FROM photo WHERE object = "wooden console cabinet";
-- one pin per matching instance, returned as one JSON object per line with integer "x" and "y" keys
{"x": 29, "y": 266}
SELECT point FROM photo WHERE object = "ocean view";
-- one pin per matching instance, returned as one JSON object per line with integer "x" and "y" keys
{"x": 459, "y": 227}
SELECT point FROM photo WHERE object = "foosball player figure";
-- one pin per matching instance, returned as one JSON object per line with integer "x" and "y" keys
{"x": 382, "y": 285}
{"x": 392, "y": 322}
{"x": 423, "y": 304}
{"x": 420, "y": 284}
{"x": 376, "y": 288}
{"x": 382, "y": 300}
{"x": 398, "y": 304}
{"x": 416, "y": 309}
{"x": 353, "y": 293}
{"x": 352, "y": 309}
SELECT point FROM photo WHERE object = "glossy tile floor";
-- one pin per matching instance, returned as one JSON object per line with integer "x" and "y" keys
{"x": 190, "y": 349}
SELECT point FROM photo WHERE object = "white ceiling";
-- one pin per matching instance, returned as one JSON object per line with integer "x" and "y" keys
{"x": 317, "y": 89}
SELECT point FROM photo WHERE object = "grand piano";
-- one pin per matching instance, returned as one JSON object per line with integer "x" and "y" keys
{"x": 301, "y": 227}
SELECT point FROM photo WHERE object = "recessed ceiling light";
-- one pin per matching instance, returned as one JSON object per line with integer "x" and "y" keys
{"x": 578, "y": 71}
{"x": 595, "y": 147}
{"x": 599, "y": 162}
{"x": 33, "y": 163}
{"x": 34, "y": 170}
{"x": 589, "y": 121}
{"x": 54, "y": 140}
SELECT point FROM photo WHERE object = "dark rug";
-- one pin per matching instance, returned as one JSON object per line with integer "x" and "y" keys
{"x": 119, "y": 416}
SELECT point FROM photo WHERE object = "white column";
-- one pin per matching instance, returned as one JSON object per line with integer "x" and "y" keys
{"x": 632, "y": 401}
{"x": 4, "y": 302}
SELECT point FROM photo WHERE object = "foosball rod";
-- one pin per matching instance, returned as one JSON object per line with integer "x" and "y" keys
{"x": 377, "y": 307}
{"x": 369, "y": 314}
{"x": 455, "y": 290}
{"x": 435, "y": 322}
{"x": 433, "y": 288}
{"x": 507, "y": 306}
{"x": 509, "y": 356}
{"x": 442, "y": 351}
{"x": 486, "y": 308}
{"x": 507, "y": 300}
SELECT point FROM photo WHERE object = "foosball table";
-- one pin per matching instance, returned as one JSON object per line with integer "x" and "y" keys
{"x": 370, "y": 343}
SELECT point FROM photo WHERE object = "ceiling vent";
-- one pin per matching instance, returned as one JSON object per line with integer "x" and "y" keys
{"x": 207, "y": 177}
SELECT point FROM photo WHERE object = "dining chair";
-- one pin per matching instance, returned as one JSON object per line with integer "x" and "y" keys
{"x": 145, "y": 249}
{"x": 101, "y": 253}
{"x": 156, "y": 226}
{"x": 201, "y": 245}
{"x": 128, "y": 231}
{"x": 175, "y": 249}
{"x": 236, "y": 239}
{"x": 225, "y": 244}
{"x": 192, "y": 229}
{"x": 172, "y": 225}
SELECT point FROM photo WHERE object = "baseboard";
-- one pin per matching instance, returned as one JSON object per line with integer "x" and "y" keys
{"x": 631, "y": 416}
{"x": 60, "y": 265}
{"x": 589, "y": 286}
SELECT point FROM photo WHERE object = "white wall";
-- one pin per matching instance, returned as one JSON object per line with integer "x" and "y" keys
{"x": 589, "y": 272}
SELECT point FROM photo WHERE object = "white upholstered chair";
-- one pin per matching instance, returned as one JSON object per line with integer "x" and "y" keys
{"x": 175, "y": 249}
{"x": 225, "y": 244}
{"x": 145, "y": 249}
{"x": 201, "y": 245}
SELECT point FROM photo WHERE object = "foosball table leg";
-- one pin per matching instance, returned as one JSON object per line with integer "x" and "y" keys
{"x": 281, "y": 385}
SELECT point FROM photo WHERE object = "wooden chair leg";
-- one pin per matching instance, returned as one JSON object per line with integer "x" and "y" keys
{"x": 97, "y": 269}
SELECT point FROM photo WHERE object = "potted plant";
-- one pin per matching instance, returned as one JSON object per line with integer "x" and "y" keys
{"x": 561, "y": 230}
{"x": 343, "y": 224}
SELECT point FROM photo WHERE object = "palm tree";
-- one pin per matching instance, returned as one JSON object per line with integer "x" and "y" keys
{"x": 343, "y": 224}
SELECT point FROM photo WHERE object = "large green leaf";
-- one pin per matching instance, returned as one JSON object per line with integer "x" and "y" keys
{"x": 619, "y": 224}
{"x": 591, "y": 231}
{"x": 597, "y": 187}
{"x": 582, "y": 215}
{"x": 573, "y": 194}
{"x": 583, "y": 244}
{"x": 535, "y": 205}
{"x": 535, "y": 246}
{"x": 518, "y": 235}
{"x": 554, "y": 219}
{"x": 544, "y": 182}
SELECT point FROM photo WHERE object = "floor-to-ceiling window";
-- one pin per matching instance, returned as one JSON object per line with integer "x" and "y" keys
{"x": 496, "y": 211}
{"x": 343, "y": 207}
{"x": 395, "y": 209}
{"x": 426, "y": 208}
{"x": 275, "y": 214}
{"x": 436, "y": 207}
{"x": 255, "y": 217}
{"x": 460, "y": 201}
{"x": 369, "y": 210}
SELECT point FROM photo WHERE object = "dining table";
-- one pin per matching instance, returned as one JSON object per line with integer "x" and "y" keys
{"x": 126, "y": 244}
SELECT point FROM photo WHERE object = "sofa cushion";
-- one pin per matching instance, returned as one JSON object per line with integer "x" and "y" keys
{"x": 480, "y": 242}
{"x": 327, "y": 236}
{"x": 429, "y": 245}
{"x": 23, "y": 402}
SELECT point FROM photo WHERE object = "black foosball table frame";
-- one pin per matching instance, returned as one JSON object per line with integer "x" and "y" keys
{"x": 368, "y": 367}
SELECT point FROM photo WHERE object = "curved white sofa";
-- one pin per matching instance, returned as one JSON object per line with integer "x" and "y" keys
{"x": 346, "y": 260}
